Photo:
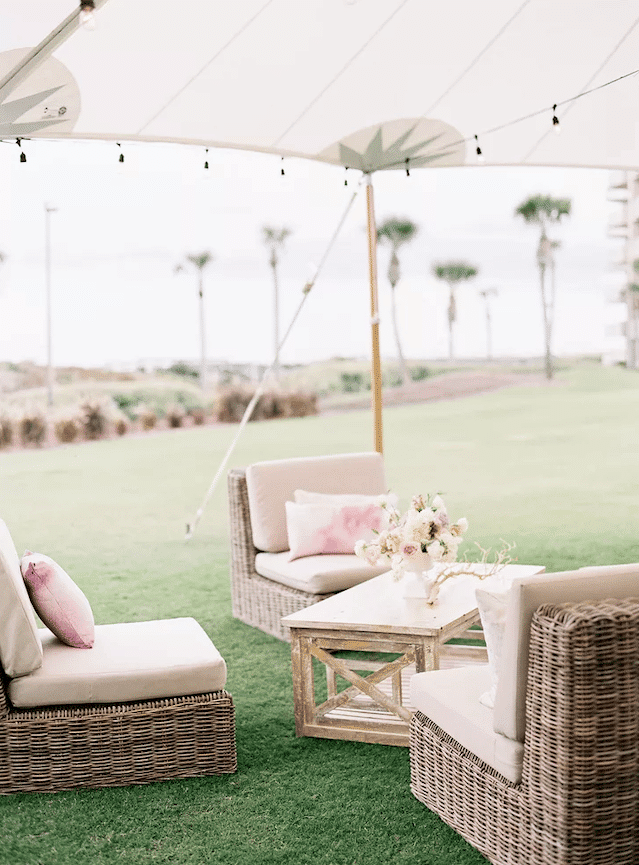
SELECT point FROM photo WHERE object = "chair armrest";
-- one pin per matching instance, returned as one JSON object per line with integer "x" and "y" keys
{"x": 243, "y": 550}
{"x": 581, "y": 759}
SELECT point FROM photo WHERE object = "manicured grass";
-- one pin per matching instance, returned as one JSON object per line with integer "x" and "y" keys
{"x": 552, "y": 468}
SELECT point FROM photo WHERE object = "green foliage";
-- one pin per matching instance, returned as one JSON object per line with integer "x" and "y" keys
{"x": 396, "y": 231}
{"x": 454, "y": 271}
{"x": 419, "y": 373}
{"x": 543, "y": 209}
{"x": 353, "y": 382}
{"x": 184, "y": 369}
{"x": 127, "y": 402}
{"x": 551, "y": 468}
{"x": 200, "y": 259}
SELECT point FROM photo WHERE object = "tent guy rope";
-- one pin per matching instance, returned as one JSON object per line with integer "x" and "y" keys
{"x": 191, "y": 527}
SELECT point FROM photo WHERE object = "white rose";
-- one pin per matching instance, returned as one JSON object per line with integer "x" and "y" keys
{"x": 435, "y": 551}
{"x": 360, "y": 548}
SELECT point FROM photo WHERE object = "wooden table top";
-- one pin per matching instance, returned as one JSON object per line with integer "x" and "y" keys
{"x": 378, "y": 605}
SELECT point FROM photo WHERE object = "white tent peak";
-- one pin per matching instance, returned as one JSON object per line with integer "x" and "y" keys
{"x": 399, "y": 144}
{"x": 48, "y": 97}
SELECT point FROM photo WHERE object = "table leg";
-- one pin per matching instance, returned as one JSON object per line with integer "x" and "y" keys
{"x": 303, "y": 682}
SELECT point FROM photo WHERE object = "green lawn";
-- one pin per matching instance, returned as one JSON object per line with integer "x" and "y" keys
{"x": 552, "y": 468}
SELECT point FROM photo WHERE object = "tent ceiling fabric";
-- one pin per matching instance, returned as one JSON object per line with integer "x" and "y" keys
{"x": 336, "y": 80}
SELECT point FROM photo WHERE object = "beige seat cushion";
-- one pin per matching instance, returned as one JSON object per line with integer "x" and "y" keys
{"x": 450, "y": 698}
{"x": 137, "y": 661}
{"x": 317, "y": 574}
{"x": 20, "y": 648}
{"x": 270, "y": 484}
{"x": 526, "y": 595}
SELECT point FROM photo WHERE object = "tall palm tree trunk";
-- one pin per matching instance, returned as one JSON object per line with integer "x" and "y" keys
{"x": 276, "y": 319}
{"x": 489, "y": 339}
{"x": 403, "y": 369}
{"x": 547, "y": 322}
{"x": 202, "y": 334}
{"x": 452, "y": 315}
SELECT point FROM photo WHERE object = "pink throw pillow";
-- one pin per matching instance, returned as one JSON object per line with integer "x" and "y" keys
{"x": 62, "y": 606}
{"x": 316, "y": 529}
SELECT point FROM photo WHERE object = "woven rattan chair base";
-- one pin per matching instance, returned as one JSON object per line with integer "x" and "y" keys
{"x": 257, "y": 601}
{"x": 578, "y": 800}
{"x": 466, "y": 793}
{"x": 68, "y": 747}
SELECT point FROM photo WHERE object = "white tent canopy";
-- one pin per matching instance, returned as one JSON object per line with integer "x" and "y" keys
{"x": 363, "y": 84}
{"x": 299, "y": 77}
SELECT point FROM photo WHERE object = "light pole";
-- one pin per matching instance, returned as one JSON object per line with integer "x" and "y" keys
{"x": 48, "y": 210}
{"x": 487, "y": 293}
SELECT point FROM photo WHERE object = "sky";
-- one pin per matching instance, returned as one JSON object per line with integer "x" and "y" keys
{"x": 119, "y": 230}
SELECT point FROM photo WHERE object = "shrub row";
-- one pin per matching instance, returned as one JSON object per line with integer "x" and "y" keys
{"x": 232, "y": 402}
{"x": 96, "y": 419}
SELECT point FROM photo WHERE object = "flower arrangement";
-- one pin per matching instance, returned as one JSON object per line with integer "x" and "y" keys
{"x": 415, "y": 541}
{"x": 424, "y": 538}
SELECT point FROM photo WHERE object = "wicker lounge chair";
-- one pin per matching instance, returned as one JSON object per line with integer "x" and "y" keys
{"x": 576, "y": 799}
{"x": 61, "y": 745}
{"x": 258, "y": 525}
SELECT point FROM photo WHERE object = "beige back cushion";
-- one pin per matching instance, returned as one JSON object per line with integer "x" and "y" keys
{"x": 20, "y": 646}
{"x": 526, "y": 595}
{"x": 272, "y": 483}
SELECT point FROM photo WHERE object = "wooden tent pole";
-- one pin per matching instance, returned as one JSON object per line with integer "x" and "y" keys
{"x": 376, "y": 369}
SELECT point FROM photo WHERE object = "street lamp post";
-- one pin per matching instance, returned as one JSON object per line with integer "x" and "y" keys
{"x": 48, "y": 210}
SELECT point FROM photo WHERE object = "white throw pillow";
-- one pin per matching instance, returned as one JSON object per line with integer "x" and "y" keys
{"x": 316, "y": 529}
{"x": 305, "y": 497}
{"x": 491, "y": 603}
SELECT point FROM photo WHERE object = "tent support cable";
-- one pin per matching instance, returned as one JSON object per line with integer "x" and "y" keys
{"x": 190, "y": 527}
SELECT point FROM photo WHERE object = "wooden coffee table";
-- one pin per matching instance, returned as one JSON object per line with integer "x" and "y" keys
{"x": 374, "y": 617}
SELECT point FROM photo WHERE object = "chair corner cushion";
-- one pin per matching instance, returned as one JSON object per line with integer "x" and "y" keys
{"x": 128, "y": 662}
{"x": 450, "y": 698}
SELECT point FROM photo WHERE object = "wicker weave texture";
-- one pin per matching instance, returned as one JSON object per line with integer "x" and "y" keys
{"x": 577, "y": 803}
{"x": 62, "y": 748}
{"x": 257, "y": 601}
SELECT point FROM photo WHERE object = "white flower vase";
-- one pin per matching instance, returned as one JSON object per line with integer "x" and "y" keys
{"x": 418, "y": 581}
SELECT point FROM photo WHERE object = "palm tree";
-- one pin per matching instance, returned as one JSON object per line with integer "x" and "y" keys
{"x": 396, "y": 232}
{"x": 200, "y": 261}
{"x": 543, "y": 210}
{"x": 274, "y": 238}
{"x": 487, "y": 293}
{"x": 453, "y": 272}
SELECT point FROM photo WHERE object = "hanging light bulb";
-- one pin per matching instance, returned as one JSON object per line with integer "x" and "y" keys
{"x": 206, "y": 159}
{"x": 121, "y": 156}
{"x": 408, "y": 168}
{"x": 283, "y": 172}
{"x": 556, "y": 125}
{"x": 23, "y": 155}
{"x": 480, "y": 156}
{"x": 87, "y": 14}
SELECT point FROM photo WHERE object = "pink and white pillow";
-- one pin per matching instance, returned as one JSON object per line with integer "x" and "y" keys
{"x": 62, "y": 606}
{"x": 316, "y": 529}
